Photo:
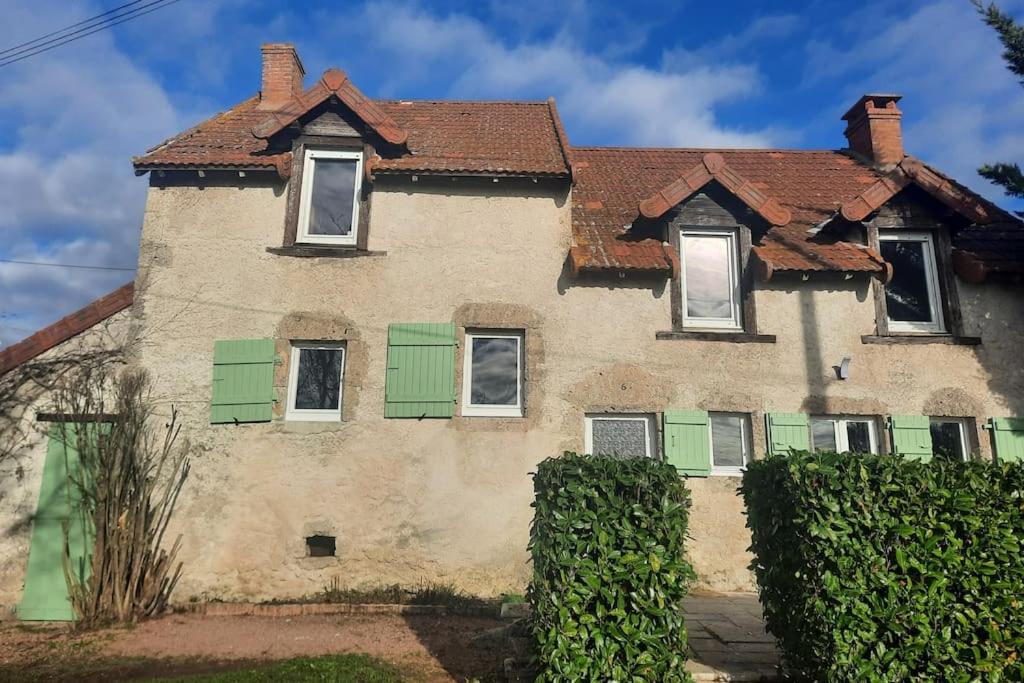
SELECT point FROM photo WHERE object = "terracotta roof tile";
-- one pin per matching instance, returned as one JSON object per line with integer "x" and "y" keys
{"x": 66, "y": 328}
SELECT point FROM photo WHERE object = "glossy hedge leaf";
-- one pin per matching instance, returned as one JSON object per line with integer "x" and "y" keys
{"x": 876, "y": 568}
{"x": 609, "y": 572}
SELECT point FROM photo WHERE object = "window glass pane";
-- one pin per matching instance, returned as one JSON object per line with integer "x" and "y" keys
{"x": 906, "y": 296}
{"x": 627, "y": 438}
{"x": 318, "y": 386}
{"x": 823, "y": 435}
{"x": 858, "y": 437}
{"x": 330, "y": 211}
{"x": 727, "y": 440}
{"x": 708, "y": 282}
{"x": 495, "y": 371}
{"x": 946, "y": 441}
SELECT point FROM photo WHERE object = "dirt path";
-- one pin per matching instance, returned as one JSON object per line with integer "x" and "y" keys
{"x": 428, "y": 648}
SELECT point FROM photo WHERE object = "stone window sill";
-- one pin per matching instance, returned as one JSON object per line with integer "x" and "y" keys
{"x": 897, "y": 339}
{"x": 316, "y": 251}
{"x": 734, "y": 337}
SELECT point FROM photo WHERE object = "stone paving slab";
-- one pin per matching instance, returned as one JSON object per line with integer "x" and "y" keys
{"x": 727, "y": 639}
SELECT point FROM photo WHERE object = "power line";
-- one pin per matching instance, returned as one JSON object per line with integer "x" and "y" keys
{"x": 68, "y": 28}
{"x": 86, "y": 31}
{"x": 64, "y": 265}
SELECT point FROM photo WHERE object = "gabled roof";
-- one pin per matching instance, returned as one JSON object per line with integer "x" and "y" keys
{"x": 444, "y": 137}
{"x": 714, "y": 167}
{"x": 66, "y": 328}
{"x": 336, "y": 83}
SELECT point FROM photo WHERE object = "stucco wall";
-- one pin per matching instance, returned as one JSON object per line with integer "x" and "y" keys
{"x": 26, "y": 391}
{"x": 450, "y": 500}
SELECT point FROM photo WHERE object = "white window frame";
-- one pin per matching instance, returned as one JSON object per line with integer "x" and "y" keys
{"x": 646, "y": 418}
{"x": 839, "y": 423}
{"x": 746, "y": 440}
{"x": 734, "y": 324}
{"x": 961, "y": 423}
{"x": 306, "y": 196}
{"x": 931, "y": 266}
{"x": 469, "y": 409}
{"x": 307, "y": 415}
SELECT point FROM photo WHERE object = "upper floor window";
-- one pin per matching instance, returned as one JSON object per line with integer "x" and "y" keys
{"x": 315, "y": 382}
{"x": 842, "y": 434}
{"x": 493, "y": 374}
{"x": 710, "y": 279}
{"x": 912, "y": 298}
{"x": 329, "y": 203}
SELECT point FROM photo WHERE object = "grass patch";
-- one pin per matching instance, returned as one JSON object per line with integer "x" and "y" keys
{"x": 444, "y": 594}
{"x": 347, "y": 668}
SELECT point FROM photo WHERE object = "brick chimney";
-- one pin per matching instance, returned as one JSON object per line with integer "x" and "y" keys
{"x": 873, "y": 129}
{"x": 282, "y": 75}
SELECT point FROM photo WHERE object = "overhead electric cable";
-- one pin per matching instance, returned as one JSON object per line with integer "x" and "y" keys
{"x": 63, "y": 265}
{"x": 68, "y": 28}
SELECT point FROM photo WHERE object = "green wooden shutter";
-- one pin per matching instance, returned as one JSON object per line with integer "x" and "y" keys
{"x": 911, "y": 436}
{"x": 45, "y": 597}
{"x": 687, "y": 445}
{"x": 1008, "y": 438}
{"x": 243, "y": 380}
{"x": 420, "y": 378}
{"x": 788, "y": 431}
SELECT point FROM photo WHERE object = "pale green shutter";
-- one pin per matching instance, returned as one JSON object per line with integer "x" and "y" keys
{"x": 420, "y": 378}
{"x": 243, "y": 381}
{"x": 687, "y": 446}
{"x": 45, "y": 597}
{"x": 788, "y": 431}
{"x": 911, "y": 436}
{"x": 1008, "y": 438}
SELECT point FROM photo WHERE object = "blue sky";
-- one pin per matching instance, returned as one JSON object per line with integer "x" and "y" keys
{"x": 674, "y": 73}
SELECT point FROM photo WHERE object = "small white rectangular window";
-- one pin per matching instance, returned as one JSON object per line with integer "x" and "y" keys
{"x": 730, "y": 442}
{"x": 329, "y": 202}
{"x": 842, "y": 434}
{"x": 949, "y": 438}
{"x": 710, "y": 279}
{"x": 627, "y": 435}
{"x": 315, "y": 379}
{"x": 912, "y": 298}
{"x": 492, "y": 378}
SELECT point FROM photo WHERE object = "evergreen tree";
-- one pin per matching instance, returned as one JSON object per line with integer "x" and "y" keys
{"x": 1011, "y": 34}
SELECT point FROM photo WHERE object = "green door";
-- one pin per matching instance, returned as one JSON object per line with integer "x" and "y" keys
{"x": 46, "y": 593}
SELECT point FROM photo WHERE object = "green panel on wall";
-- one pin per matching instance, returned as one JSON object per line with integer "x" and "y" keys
{"x": 243, "y": 381}
{"x": 420, "y": 378}
{"x": 1008, "y": 438}
{"x": 911, "y": 436}
{"x": 788, "y": 431}
{"x": 686, "y": 443}
{"x": 45, "y": 597}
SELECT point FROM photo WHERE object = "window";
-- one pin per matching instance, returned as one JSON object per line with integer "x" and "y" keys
{"x": 710, "y": 279}
{"x": 492, "y": 380}
{"x": 842, "y": 434}
{"x": 321, "y": 546}
{"x": 912, "y": 298}
{"x": 329, "y": 203}
{"x": 949, "y": 438}
{"x": 315, "y": 382}
{"x": 623, "y": 434}
{"x": 730, "y": 442}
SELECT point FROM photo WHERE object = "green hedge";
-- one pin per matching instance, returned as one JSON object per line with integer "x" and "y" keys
{"x": 876, "y": 568}
{"x": 609, "y": 574}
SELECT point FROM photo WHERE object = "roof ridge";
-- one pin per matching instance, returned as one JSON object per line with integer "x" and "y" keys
{"x": 623, "y": 148}
{"x": 419, "y": 101}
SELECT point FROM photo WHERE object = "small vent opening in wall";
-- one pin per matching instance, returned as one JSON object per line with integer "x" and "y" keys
{"x": 320, "y": 546}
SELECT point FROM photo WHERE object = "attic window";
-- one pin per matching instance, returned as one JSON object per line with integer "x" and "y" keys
{"x": 329, "y": 204}
{"x": 321, "y": 546}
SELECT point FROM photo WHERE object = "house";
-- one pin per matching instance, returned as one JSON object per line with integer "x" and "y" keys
{"x": 377, "y": 316}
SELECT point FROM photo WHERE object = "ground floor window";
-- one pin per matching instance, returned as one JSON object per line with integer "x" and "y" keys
{"x": 842, "y": 434}
{"x": 315, "y": 381}
{"x": 949, "y": 438}
{"x": 730, "y": 442}
{"x": 628, "y": 435}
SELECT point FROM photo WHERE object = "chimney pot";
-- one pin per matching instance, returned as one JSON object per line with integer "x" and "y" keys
{"x": 873, "y": 129}
{"x": 283, "y": 74}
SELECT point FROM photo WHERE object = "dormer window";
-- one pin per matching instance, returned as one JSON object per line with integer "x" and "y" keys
{"x": 711, "y": 279}
{"x": 912, "y": 298}
{"x": 329, "y": 204}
